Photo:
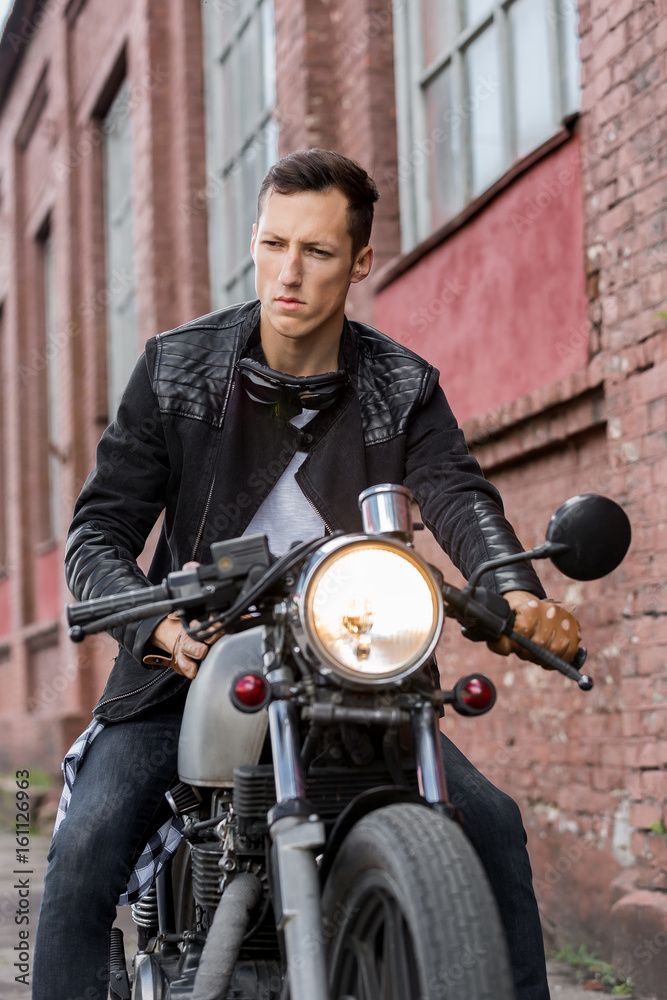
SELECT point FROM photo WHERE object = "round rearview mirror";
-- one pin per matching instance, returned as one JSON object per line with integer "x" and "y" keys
{"x": 596, "y": 532}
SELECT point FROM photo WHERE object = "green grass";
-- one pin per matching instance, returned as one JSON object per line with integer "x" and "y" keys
{"x": 39, "y": 779}
{"x": 589, "y": 966}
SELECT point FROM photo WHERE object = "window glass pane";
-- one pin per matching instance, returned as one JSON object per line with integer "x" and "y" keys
{"x": 249, "y": 69}
{"x": 438, "y": 27}
{"x": 234, "y": 196}
{"x": 475, "y": 10}
{"x": 241, "y": 139}
{"x": 52, "y": 380}
{"x": 568, "y": 16}
{"x": 231, "y": 102}
{"x": 532, "y": 83}
{"x": 444, "y": 149}
{"x": 252, "y": 173}
{"x": 484, "y": 99}
{"x": 268, "y": 56}
{"x": 230, "y": 13}
{"x": 122, "y": 350}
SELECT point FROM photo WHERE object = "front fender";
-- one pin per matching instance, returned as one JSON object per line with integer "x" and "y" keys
{"x": 365, "y": 802}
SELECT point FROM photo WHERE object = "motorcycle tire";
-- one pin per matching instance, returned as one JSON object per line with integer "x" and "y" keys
{"x": 410, "y": 914}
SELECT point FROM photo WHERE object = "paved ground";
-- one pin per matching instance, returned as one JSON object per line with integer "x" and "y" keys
{"x": 20, "y": 888}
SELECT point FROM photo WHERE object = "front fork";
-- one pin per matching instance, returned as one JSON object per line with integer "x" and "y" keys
{"x": 430, "y": 767}
{"x": 297, "y": 834}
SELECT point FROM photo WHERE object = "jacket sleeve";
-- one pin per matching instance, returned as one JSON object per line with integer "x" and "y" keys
{"x": 120, "y": 502}
{"x": 462, "y": 509}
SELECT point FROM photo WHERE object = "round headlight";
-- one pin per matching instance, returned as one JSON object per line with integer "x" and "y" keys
{"x": 369, "y": 608}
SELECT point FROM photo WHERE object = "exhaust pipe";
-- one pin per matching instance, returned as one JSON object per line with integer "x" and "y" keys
{"x": 224, "y": 939}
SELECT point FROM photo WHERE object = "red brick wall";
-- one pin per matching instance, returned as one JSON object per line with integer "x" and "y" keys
{"x": 50, "y": 164}
{"x": 624, "y": 52}
{"x": 590, "y": 770}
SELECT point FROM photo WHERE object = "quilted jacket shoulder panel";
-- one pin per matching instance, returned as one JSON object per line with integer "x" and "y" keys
{"x": 192, "y": 369}
{"x": 391, "y": 382}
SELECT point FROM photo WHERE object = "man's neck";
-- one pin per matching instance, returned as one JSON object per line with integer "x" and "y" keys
{"x": 306, "y": 356}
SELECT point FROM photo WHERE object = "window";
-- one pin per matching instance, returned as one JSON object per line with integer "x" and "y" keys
{"x": 480, "y": 84}
{"x": 122, "y": 348}
{"x": 242, "y": 135}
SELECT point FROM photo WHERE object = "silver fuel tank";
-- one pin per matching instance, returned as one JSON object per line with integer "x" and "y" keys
{"x": 216, "y": 736}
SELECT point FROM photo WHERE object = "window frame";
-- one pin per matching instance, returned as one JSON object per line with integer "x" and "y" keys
{"x": 412, "y": 79}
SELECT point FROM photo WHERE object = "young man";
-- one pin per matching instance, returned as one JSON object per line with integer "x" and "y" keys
{"x": 194, "y": 438}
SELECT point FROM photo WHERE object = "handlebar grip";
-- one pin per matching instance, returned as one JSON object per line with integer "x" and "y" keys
{"x": 85, "y": 612}
{"x": 548, "y": 659}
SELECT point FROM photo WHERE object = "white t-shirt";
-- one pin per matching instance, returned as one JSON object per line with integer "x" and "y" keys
{"x": 286, "y": 515}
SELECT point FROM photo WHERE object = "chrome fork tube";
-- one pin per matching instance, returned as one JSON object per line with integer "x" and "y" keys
{"x": 298, "y": 836}
{"x": 430, "y": 768}
{"x": 284, "y": 730}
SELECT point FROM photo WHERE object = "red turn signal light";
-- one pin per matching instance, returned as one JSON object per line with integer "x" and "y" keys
{"x": 250, "y": 692}
{"x": 472, "y": 695}
{"x": 478, "y": 693}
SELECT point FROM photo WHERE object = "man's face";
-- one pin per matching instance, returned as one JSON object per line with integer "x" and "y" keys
{"x": 303, "y": 263}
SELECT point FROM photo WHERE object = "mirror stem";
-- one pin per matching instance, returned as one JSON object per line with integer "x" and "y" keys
{"x": 543, "y": 551}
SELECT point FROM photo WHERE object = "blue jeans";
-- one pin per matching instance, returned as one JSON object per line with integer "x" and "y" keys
{"x": 117, "y": 802}
{"x": 492, "y": 822}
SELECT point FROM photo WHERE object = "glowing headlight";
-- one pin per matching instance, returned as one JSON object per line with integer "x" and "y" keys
{"x": 369, "y": 608}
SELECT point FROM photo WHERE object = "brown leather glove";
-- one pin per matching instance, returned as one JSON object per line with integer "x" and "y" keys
{"x": 186, "y": 653}
{"x": 546, "y": 623}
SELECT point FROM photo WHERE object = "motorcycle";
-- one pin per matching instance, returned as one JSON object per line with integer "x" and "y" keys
{"x": 321, "y": 859}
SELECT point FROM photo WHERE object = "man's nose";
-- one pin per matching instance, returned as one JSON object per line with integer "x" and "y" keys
{"x": 290, "y": 272}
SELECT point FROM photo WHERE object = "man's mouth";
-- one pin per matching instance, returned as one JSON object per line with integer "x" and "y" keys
{"x": 288, "y": 302}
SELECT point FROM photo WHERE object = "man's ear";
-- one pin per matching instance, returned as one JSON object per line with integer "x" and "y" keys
{"x": 362, "y": 265}
{"x": 253, "y": 239}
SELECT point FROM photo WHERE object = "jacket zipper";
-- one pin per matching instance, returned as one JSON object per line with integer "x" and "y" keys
{"x": 203, "y": 520}
{"x": 327, "y": 526}
{"x": 127, "y": 694}
{"x": 210, "y": 492}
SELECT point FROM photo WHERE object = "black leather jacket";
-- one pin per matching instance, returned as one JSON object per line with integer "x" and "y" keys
{"x": 187, "y": 440}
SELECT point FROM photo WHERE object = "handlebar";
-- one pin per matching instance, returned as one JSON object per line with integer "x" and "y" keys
{"x": 548, "y": 659}
{"x": 486, "y": 616}
{"x": 206, "y": 590}
{"x": 87, "y": 612}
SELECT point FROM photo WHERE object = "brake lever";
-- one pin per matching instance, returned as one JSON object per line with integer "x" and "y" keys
{"x": 548, "y": 659}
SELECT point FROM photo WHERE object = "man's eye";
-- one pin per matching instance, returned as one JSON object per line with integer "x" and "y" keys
{"x": 271, "y": 243}
{"x": 320, "y": 253}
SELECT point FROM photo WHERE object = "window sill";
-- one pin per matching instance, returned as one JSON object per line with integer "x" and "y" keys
{"x": 402, "y": 263}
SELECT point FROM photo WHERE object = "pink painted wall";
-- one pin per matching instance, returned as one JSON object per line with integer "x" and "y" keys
{"x": 500, "y": 306}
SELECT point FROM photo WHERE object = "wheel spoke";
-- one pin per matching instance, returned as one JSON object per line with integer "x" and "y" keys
{"x": 375, "y": 959}
{"x": 397, "y": 964}
{"x": 368, "y": 985}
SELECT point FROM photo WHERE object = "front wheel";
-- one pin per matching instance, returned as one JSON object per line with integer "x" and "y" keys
{"x": 410, "y": 913}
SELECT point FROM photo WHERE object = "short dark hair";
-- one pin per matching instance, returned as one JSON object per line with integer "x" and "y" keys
{"x": 321, "y": 170}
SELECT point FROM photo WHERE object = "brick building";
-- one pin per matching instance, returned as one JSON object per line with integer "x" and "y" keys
{"x": 521, "y": 242}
